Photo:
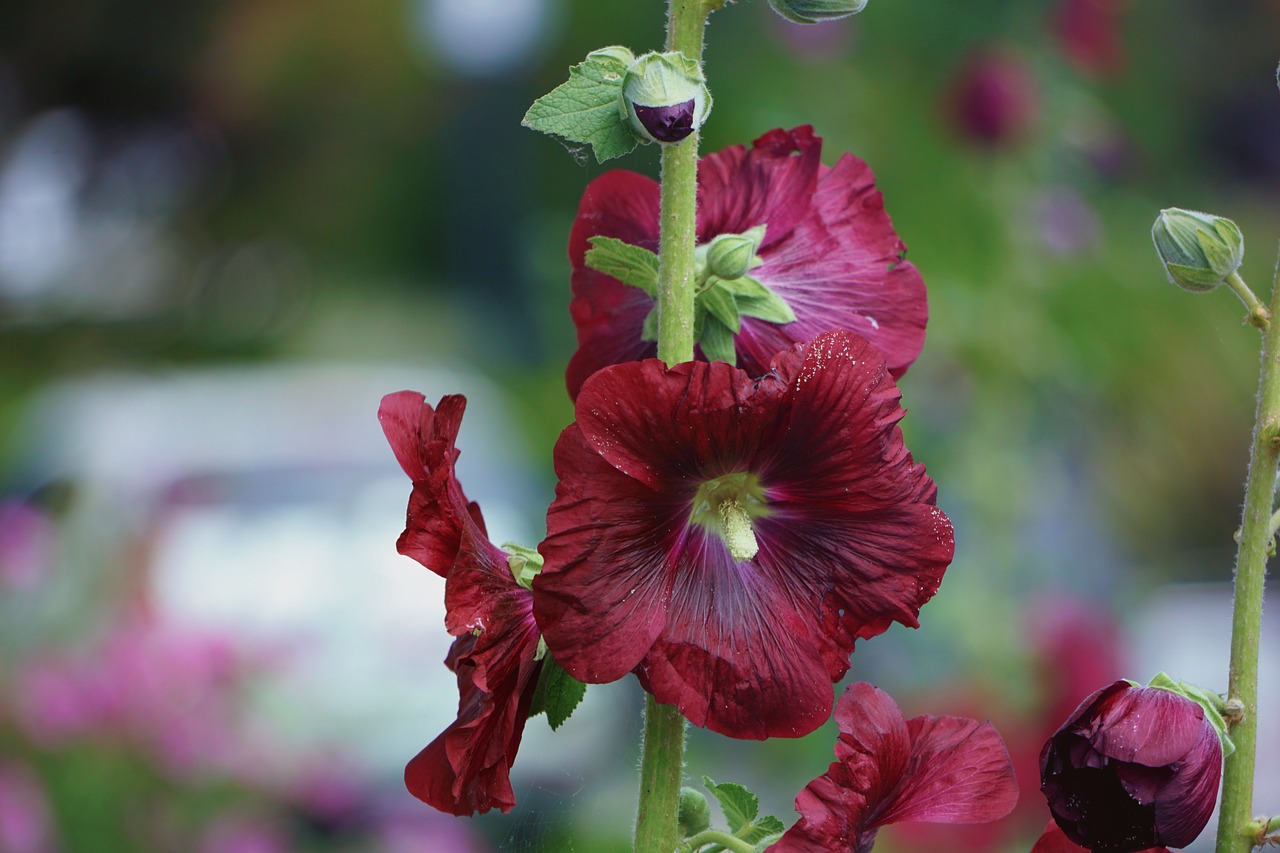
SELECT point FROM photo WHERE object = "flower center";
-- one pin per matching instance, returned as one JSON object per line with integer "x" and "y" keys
{"x": 726, "y": 506}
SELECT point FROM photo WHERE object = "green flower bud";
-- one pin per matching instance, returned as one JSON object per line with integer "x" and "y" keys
{"x": 1198, "y": 250}
{"x": 816, "y": 11}
{"x": 664, "y": 97}
{"x": 729, "y": 256}
{"x": 695, "y": 814}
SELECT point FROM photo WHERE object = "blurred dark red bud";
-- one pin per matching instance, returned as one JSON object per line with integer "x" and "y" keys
{"x": 992, "y": 100}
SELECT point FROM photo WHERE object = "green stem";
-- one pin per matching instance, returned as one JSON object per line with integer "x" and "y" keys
{"x": 662, "y": 760}
{"x": 686, "y": 20}
{"x": 1246, "y": 620}
{"x": 661, "y": 771}
{"x": 1259, "y": 317}
{"x": 724, "y": 839}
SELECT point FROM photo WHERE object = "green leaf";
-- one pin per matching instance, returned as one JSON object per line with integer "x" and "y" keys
{"x": 633, "y": 265}
{"x": 557, "y": 693}
{"x": 716, "y": 340}
{"x": 756, "y": 300}
{"x": 760, "y": 828}
{"x": 585, "y": 107}
{"x": 721, "y": 305}
{"x": 739, "y": 805}
{"x": 649, "y": 331}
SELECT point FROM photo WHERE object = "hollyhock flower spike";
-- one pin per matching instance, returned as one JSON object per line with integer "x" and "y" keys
{"x": 829, "y": 252}
{"x": 495, "y": 656}
{"x": 1134, "y": 767}
{"x": 891, "y": 770}
{"x": 729, "y": 539}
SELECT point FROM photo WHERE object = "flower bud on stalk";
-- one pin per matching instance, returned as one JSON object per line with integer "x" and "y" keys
{"x": 1134, "y": 768}
{"x": 816, "y": 11}
{"x": 664, "y": 97}
{"x": 1198, "y": 250}
{"x": 729, "y": 256}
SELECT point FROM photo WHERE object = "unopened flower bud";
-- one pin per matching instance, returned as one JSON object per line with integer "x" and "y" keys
{"x": 816, "y": 11}
{"x": 664, "y": 97}
{"x": 1134, "y": 768}
{"x": 729, "y": 256}
{"x": 1198, "y": 250}
{"x": 695, "y": 814}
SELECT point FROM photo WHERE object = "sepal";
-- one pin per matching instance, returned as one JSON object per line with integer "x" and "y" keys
{"x": 816, "y": 11}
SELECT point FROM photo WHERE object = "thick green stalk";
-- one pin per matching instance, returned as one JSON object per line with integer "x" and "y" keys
{"x": 661, "y": 772}
{"x": 686, "y": 20}
{"x": 1246, "y": 622}
{"x": 662, "y": 761}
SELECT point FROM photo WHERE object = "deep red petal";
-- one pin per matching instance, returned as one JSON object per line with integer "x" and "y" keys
{"x": 608, "y": 314}
{"x": 600, "y": 597}
{"x": 772, "y": 183}
{"x": 422, "y": 439}
{"x": 1148, "y": 726}
{"x": 1184, "y": 806}
{"x": 823, "y": 826}
{"x": 960, "y": 772}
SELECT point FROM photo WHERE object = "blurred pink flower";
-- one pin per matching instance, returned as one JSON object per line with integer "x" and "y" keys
{"x": 242, "y": 834}
{"x": 26, "y": 544}
{"x": 24, "y": 812}
{"x": 1088, "y": 32}
{"x": 992, "y": 100}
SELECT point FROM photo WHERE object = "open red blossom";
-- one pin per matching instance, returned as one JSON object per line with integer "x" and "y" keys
{"x": 891, "y": 770}
{"x": 466, "y": 769}
{"x": 1133, "y": 768}
{"x": 829, "y": 251}
{"x": 729, "y": 539}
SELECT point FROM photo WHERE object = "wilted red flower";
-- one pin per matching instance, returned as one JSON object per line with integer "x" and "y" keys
{"x": 465, "y": 770}
{"x": 1134, "y": 767}
{"x": 729, "y": 539}
{"x": 1053, "y": 841}
{"x": 829, "y": 251}
{"x": 992, "y": 100}
{"x": 891, "y": 770}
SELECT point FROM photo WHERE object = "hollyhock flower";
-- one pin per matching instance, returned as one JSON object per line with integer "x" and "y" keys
{"x": 992, "y": 100}
{"x": 829, "y": 251}
{"x": 729, "y": 539}
{"x": 891, "y": 770}
{"x": 1134, "y": 767}
{"x": 466, "y": 769}
{"x": 1053, "y": 841}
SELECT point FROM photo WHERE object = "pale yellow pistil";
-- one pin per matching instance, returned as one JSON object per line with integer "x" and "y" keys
{"x": 739, "y": 536}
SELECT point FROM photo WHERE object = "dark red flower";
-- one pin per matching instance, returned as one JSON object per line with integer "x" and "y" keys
{"x": 829, "y": 251}
{"x": 1134, "y": 767}
{"x": 465, "y": 770}
{"x": 1053, "y": 841}
{"x": 729, "y": 539}
{"x": 992, "y": 100}
{"x": 891, "y": 770}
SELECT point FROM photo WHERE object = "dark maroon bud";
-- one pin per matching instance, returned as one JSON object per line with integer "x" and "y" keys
{"x": 1134, "y": 768}
{"x": 667, "y": 124}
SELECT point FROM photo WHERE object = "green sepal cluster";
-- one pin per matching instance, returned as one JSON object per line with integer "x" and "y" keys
{"x": 816, "y": 11}
{"x": 741, "y": 810}
{"x": 694, "y": 814}
{"x": 558, "y": 693}
{"x": 720, "y": 303}
{"x": 1211, "y": 702}
{"x": 525, "y": 563}
{"x": 584, "y": 108}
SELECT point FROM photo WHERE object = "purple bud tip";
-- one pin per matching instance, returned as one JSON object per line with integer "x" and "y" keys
{"x": 667, "y": 124}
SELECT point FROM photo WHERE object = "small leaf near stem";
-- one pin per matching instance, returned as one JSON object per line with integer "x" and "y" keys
{"x": 715, "y": 836}
{"x": 1259, "y": 316}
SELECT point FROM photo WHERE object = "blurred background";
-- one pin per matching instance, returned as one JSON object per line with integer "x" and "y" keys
{"x": 227, "y": 228}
